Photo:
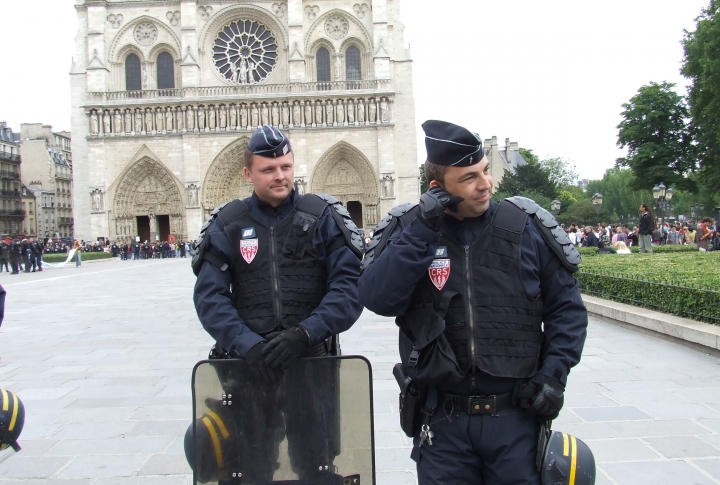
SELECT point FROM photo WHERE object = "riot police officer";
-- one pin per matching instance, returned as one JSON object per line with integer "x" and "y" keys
{"x": 276, "y": 280}
{"x": 490, "y": 315}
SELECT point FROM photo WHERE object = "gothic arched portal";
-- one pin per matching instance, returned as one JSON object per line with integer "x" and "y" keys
{"x": 345, "y": 173}
{"x": 148, "y": 203}
{"x": 225, "y": 180}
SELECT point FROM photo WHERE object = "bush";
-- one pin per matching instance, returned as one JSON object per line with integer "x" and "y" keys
{"x": 671, "y": 248}
{"x": 61, "y": 257}
{"x": 675, "y": 279}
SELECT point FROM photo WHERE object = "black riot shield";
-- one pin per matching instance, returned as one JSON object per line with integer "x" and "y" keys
{"x": 313, "y": 427}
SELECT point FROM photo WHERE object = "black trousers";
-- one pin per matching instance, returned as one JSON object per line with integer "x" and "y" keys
{"x": 479, "y": 450}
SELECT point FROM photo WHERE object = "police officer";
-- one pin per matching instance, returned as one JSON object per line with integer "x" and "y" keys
{"x": 276, "y": 280}
{"x": 490, "y": 315}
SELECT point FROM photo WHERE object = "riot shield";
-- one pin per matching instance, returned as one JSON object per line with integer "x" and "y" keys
{"x": 313, "y": 427}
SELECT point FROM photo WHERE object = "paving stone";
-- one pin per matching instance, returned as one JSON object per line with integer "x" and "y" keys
{"x": 710, "y": 466}
{"x": 165, "y": 465}
{"x": 32, "y": 466}
{"x": 683, "y": 447}
{"x": 631, "y": 449}
{"x": 93, "y": 466}
{"x": 655, "y": 473}
{"x": 615, "y": 413}
{"x": 93, "y": 430}
{"x": 113, "y": 446}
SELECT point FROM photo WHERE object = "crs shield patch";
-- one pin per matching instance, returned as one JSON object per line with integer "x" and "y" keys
{"x": 248, "y": 249}
{"x": 439, "y": 272}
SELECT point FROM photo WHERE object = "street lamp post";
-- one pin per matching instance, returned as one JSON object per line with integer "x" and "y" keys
{"x": 662, "y": 195}
{"x": 597, "y": 201}
{"x": 555, "y": 206}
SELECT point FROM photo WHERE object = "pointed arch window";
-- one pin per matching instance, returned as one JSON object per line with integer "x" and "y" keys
{"x": 133, "y": 75}
{"x": 352, "y": 64}
{"x": 165, "y": 71}
{"x": 322, "y": 60}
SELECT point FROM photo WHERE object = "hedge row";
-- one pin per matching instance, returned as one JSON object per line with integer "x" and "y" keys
{"x": 667, "y": 248}
{"x": 61, "y": 257}
{"x": 674, "y": 280}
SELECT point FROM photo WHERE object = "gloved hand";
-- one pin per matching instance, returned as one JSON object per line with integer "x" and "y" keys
{"x": 260, "y": 370}
{"x": 541, "y": 397}
{"x": 285, "y": 346}
{"x": 433, "y": 204}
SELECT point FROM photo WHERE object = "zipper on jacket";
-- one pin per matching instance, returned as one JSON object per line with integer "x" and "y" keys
{"x": 468, "y": 281}
{"x": 274, "y": 276}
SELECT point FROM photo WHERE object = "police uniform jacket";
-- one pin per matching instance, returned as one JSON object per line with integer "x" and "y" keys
{"x": 337, "y": 311}
{"x": 555, "y": 297}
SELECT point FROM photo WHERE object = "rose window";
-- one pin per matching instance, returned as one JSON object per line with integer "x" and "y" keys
{"x": 245, "y": 52}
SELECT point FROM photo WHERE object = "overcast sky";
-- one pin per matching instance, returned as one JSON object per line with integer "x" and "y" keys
{"x": 549, "y": 74}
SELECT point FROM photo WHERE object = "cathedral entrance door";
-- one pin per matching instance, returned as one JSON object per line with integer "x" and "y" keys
{"x": 355, "y": 209}
{"x": 143, "y": 228}
{"x": 163, "y": 224}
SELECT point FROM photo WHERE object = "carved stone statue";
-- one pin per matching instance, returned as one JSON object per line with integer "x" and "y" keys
{"x": 265, "y": 114}
{"x": 302, "y": 186}
{"x": 233, "y": 117}
{"x": 94, "y": 124}
{"x": 222, "y": 117}
{"x": 128, "y": 121}
{"x": 169, "y": 119}
{"x": 384, "y": 111}
{"x": 201, "y": 118}
{"x": 118, "y": 122}
{"x": 285, "y": 114}
{"x": 97, "y": 200}
{"x": 371, "y": 215}
{"x": 308, "y": 113}
{"x": 275, "y": 115}
{"x": 243, "y": 72}
{"x": 296, "y": 114}
{"x": 106, "y": 122}
{"x": 318, "y": 113}
{"x": 361, "y": 111}
{"x": 351, "y": 112}
{"x": 337, "y": 68}
{"x": 180, "y": 117}
{"x": 255, "y": 116}
{"x": 387, "y": 186}
{"x": 153, "y": 222}
{"x": 159, "y": 119}
{"x": 243, "y": 117}
{"x": 340, "y": 113}
{"x": 372, "y": 111}
{"x": 329, "y": 112}
{"x": 138, "y": 120}
{"x": 190, "y": 118}
{"x": 212, "y": 124}
{"x": 193, "y": 195}
{"x": 148, "y": 120}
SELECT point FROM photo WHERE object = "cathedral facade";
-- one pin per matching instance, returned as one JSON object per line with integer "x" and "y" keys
{"x": 165, "y": 95}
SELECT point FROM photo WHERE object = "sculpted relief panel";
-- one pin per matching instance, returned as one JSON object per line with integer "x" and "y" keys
{"x": 225, "y": 180}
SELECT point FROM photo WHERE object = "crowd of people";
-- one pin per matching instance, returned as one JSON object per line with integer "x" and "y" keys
{"x": 703, "y": 234}
{"x": 146, "y": 250}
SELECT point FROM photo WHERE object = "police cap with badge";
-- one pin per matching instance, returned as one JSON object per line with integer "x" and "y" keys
{"x": 269, "y": 142}
{"x": 451, "y": 145}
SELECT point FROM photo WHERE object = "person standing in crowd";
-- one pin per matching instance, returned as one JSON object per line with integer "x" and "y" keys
{"x": 689, "y": 235}
{"x": 674, "y": 237}
{"x": 25, "y": 254}
{"x": 703, "y": 234}
{"x": 500, "y": 291}
{"x": 78, "y": 255}
{"x": 591, "y": 240}
{"x": 292, "y": 262}
{"x": 647, "y": 224}
{"x": 15, "y": 255}
{"x": 183, "y": 249}
{"x": 4, "y": 256}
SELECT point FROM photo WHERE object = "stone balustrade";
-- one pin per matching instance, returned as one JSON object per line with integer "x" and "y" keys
{"x": 240, "y": 116}
{"x": 242, "y": 90}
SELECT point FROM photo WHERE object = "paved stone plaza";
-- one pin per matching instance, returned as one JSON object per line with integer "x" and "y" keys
{"x": 102, "y": 356}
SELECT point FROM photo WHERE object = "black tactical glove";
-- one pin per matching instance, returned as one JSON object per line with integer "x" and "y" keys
{"x": 541, "y": 397}
{"x": 433, "y": 204}
{"x": 285, "y": 346}
{"x": 259, "y": 368}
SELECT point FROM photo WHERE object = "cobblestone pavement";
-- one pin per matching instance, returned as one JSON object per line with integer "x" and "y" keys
{"x": 102, "y": 356}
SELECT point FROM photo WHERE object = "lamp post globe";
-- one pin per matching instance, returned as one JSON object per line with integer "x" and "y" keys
{"x": 555, "y": 206}
{"x": 597, "y": 201}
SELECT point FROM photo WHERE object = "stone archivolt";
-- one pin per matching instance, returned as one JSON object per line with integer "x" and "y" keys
{"x": 245, "y": 116}
{"x": 147, "y": 188}
{"x": 225, "y": 180}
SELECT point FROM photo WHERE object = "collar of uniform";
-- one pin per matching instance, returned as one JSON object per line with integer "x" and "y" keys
{"x": 466, "y": 231}
{"x": 266, "y": 209}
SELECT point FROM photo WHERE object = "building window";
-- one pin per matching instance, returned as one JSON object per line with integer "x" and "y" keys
{"x": 352, "y": 64}
{"x": 245, "y": 51}
{"x": 165, "y": 71}
{"x": 322, "y": 60}
{"x": 133, "y": 75}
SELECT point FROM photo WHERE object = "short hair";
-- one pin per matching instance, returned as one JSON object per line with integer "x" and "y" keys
{"x": 621, "y": 245}
{"x": 248, "y": 158}
{"x": 433, "y": 171}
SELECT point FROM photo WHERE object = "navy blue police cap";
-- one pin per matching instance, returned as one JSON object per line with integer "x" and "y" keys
{"x": 451, "y": 145}
{"x": 269, "y": 142}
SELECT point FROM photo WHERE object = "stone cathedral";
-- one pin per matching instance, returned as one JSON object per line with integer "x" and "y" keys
{"x": 166, "y": 93}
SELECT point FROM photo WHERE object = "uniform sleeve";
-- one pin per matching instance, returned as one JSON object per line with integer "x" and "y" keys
{"x": 387, "y": 283}
{"x": 565, "y": 317}
{"x": 340, "y": 307}
{"x": 213, "y": 299}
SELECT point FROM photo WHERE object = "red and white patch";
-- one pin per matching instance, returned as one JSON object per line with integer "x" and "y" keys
{"x": 439, "y": 272}
{"x": 249, "y": 249}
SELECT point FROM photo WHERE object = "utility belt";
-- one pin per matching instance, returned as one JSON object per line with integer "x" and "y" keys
{"x": 329, "y": 346}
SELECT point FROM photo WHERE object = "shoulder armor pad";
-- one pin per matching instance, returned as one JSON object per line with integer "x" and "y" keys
{"x": 554, "y": 235}
{"x": 200, "y": 242}
{"x": 328, "y": 198}
{"x": 401, "y": 210}
{"x": 351, "y": 233}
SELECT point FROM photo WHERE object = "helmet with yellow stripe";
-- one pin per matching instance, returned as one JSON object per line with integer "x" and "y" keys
{"x": 12, "y": 419}
{"x": 563, "y": 459}
{"x": 213, "y": 452}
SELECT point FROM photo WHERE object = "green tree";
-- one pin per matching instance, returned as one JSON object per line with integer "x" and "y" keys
{"x": 582, "y": 213}
{"x": 560, "y": 170}
{"x": 654, "y": 130}
{"x": 529, "y": 156}
{"x": 424, "y": 185}
{"x": 528, "y": 178}
{"x": 702, "y": 66}
{"x": 618, "y": 196}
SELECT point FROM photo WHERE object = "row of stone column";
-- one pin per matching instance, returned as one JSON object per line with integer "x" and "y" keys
{"x": 244, "y": 116}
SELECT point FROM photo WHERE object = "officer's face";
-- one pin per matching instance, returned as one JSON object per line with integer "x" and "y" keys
{"x": 474, "y": 184}
{"x": 272, "y": 177}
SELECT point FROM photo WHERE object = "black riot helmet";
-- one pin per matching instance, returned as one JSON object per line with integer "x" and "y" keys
{"x": 563, "y": 459}
{"x": 12, "y": 419}
{"x": 212, "y": 454}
